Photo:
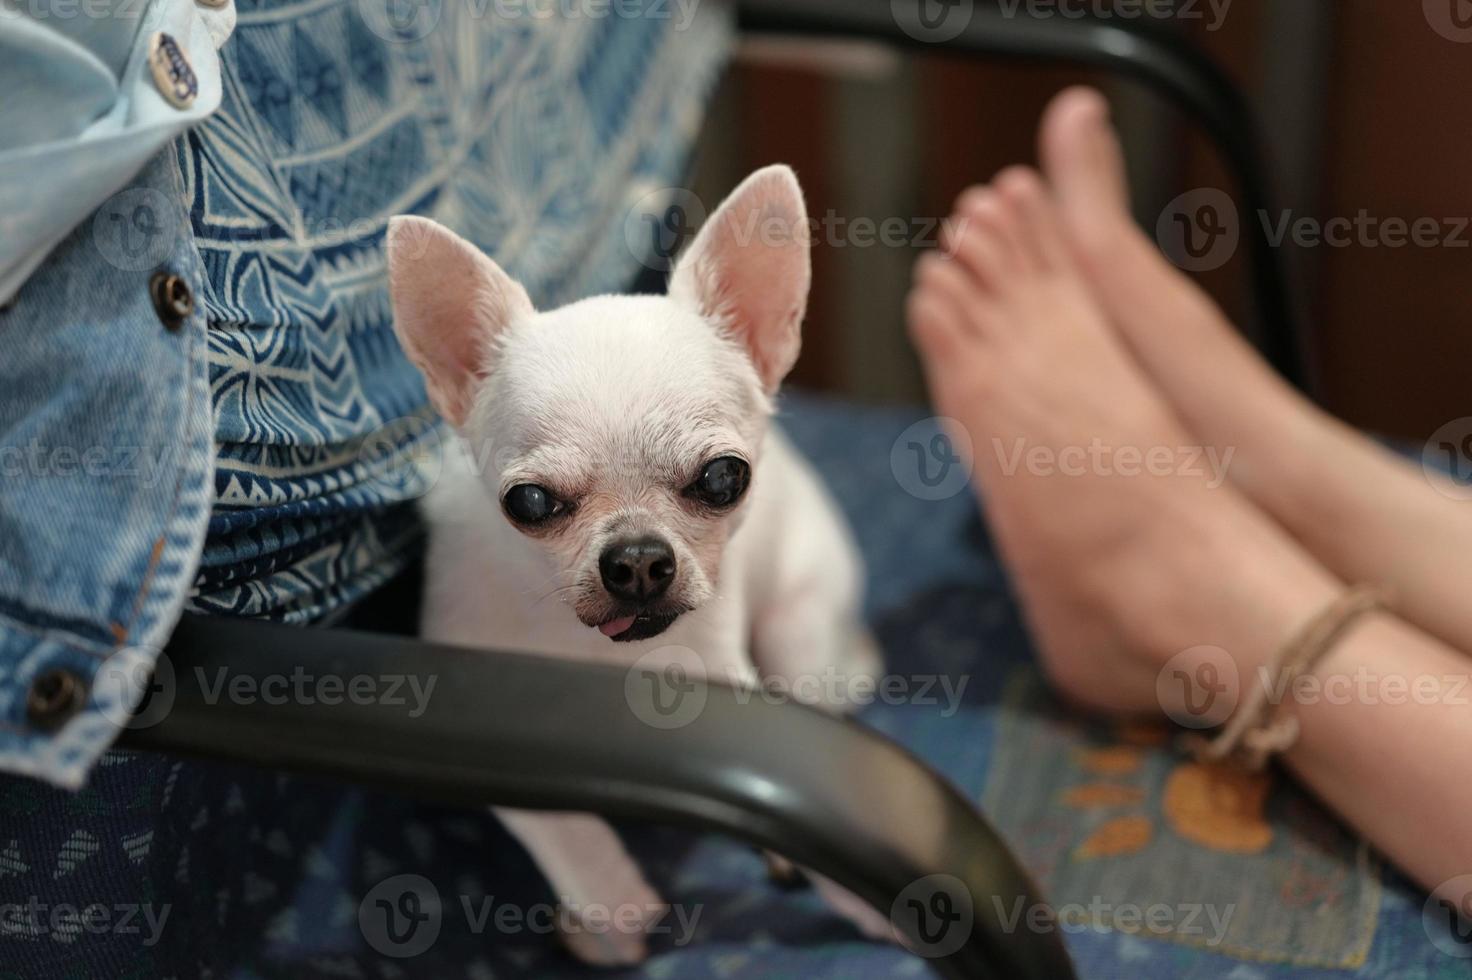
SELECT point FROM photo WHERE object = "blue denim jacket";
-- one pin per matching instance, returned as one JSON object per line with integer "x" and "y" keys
{"x": 106, "y": 442}
{"x": 84, "y": 110}
{"x": 200, "y": 439}
{"x": 105, "y": 427}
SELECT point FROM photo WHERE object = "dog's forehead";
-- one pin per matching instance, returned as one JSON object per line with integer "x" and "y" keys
{"x": 639, "y": 380}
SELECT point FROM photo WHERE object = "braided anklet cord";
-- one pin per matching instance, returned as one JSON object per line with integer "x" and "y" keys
{"x": 1260, "y": 729}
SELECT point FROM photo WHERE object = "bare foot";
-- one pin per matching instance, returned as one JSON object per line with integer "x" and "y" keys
{"x": 1214, "y": 380}
{"x": 1120, "y": 562}
{"x": 1311, "y": 473}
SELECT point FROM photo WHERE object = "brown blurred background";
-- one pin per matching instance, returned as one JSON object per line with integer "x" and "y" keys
{"x": 1362, "y": 105}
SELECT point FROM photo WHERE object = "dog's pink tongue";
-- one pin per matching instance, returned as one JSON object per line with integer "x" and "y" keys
{"x": 616, "y": 626}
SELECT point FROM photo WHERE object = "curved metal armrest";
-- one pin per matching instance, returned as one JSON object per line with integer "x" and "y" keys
{"x": 541, "y": 733}
{"x": 1168, "y": 65}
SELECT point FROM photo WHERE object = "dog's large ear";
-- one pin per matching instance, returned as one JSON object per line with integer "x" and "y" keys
{"x": 749, "y": 270}
{"x": 450, "y": 302}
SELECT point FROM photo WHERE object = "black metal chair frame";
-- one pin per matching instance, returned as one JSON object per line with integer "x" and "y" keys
{"x": 509, "y": 729}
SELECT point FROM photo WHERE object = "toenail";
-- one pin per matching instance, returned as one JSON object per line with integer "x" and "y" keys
{"x": 1017, "y": 182}
{"x": 1084, "y": 96}
{"x": 974, "y": 198}
{"x": 968, "y": 194}
{"x": 930, "y": 263}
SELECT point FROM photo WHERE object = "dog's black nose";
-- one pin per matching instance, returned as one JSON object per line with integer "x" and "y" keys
{"x": 637, "y": 570}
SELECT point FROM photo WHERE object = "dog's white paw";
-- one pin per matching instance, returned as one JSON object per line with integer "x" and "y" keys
{"x": 861, "y": 656}
{"x": 614, "y": 935}
{"x": 875, "y": 925}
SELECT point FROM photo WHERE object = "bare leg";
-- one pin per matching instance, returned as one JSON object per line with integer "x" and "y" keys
{"x": 1118, "y": 573}
{"x": 1391, "y": 759}
{"x": 1365, "y": 513}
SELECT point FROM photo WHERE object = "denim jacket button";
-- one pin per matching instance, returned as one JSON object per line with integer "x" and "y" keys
{"x": 172, "y": 299}
{"x": 54, "y": 698}
{"x": 172, "y": 72}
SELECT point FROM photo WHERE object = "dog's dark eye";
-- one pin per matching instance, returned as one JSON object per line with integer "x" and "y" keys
{"x": 528, "y": 503}
{"x": 721, "y": 482}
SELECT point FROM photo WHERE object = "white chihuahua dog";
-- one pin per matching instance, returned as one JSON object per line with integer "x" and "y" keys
{"x": 626, "y": 466}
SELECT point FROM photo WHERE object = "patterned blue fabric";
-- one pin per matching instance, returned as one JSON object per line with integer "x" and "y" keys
{"x": 529, "y": 137}
{"x": 266, "y": 876}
